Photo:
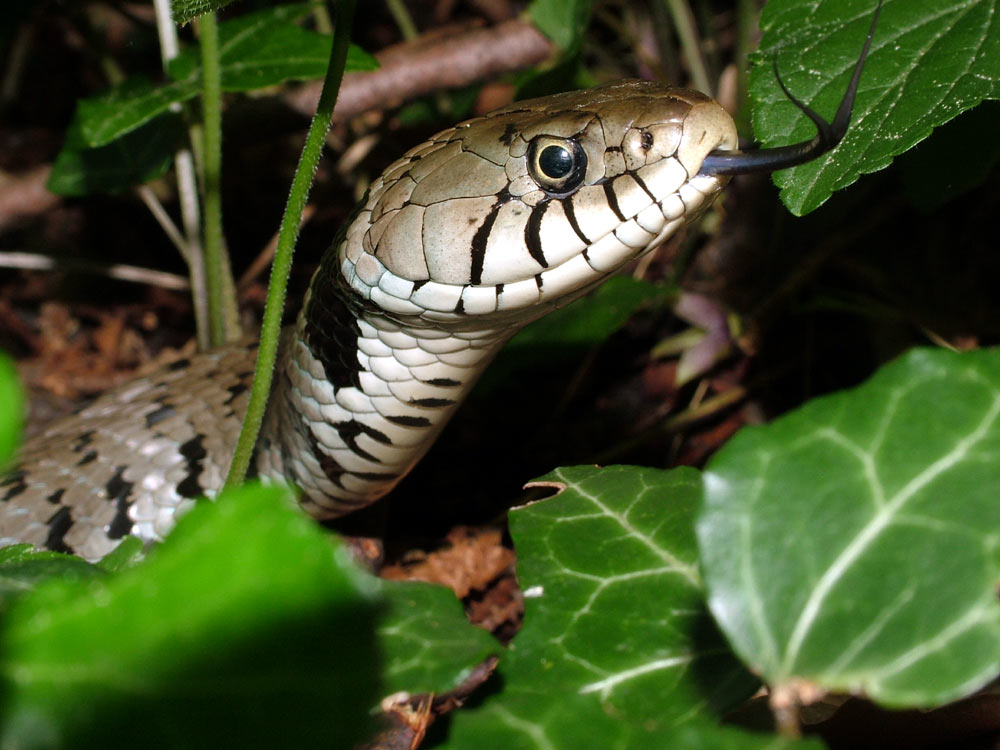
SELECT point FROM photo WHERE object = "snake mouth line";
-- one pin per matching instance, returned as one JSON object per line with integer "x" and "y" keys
{"x": 434, "y": 301}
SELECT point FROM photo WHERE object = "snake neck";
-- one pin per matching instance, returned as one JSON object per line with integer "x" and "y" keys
{"x": 360, "y": 394}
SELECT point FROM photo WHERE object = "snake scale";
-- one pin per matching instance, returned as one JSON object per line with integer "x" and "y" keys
{"x": 465, "y": 239}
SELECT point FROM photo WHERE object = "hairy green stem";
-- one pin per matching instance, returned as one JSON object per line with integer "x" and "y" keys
{"x": 211, "y": 112}
{"x": 287, "y": 235}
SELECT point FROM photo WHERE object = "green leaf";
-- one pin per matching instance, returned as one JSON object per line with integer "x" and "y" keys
{"x": 266, "y": 47}
{"x": 247, "y": 627}
{"x": 562, "y": 21}
{"x": 23, "y": 568}
{"x": 930, "y": 61}
{"x": 617, "y": 649}
{"x": 185, "y": 11}
{"x": 11, "y": 410}
{"x": 138, "y": 157}
{"x": 427, "y": 643}
{"x": 127, "y": 554}
{"x": 853, "y": 544}
{"x": 131, "y": 104}
{"x": 256, "y": 50}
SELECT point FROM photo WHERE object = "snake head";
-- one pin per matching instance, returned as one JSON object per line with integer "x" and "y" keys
{"x": 523, "y": 209}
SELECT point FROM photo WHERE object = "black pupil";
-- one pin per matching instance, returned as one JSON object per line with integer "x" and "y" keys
{"x": 555, "y": 161}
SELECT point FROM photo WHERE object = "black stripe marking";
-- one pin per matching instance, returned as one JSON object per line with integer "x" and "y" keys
{"x": 120, "y": 491}
{"x": 443, "y": 382}
{"x": 405, "y": 421}
{"x": 642, "y": 184}
{"x": 532, "y": 234}
{"x": 331, "y": 328}
{"x": 234, "y": 392}
{"x": 538, "y": 281}
{"x": 59, "y": 523}
{"x": 419, "y": 283}
{"x": 371, "y": 476}
{"x": 508, "y": 135}
{"x": 349, "y": 432}
{"x": 478, "y": 245}
{"x": 331, "y": 469}
{"x": 15, "y": 485}
{"x": 82, "y": 440}
{"x": 158, "y": 415}
{"x": 432, "y": 403}
{"x": 180, "y": 364}
{"x": 56, "y": 497}
{"x": 376, "y": 435}
{"x": 609, "y": 193}
{"x": 571, "y": 215}
{"x": 460, "y": 307}
{"x": 193, "y": 451}
{"x": 88, "y": 457}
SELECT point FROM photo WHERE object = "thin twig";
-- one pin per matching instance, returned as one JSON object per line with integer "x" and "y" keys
{"x": 265, "y": 256}
{"x": 746, "y": 27}
{"x": 120, "y": 271}
{"x": 187, "y": 186}
{"x": 687, "y": 31}
{"x": 147, "y": 196}
{"x": 403, "y": 20}
{"x": 430, "y": 64}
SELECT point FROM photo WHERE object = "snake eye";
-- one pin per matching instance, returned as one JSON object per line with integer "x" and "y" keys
{"x": 557, "y": 165}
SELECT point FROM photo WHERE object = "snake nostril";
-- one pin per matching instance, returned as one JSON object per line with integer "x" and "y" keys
{"x": 646, "y": 140}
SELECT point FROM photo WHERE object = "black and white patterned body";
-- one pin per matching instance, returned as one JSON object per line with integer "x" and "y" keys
{"x": 461, "y": 242}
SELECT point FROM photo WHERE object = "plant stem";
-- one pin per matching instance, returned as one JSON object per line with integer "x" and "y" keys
{"x": 287, "y": 235}
{"x": 746, "y": 25}
{"x": 402, "y": 18}
{"x": 211, "y": 112}
{"x": 321, "y": 17}
{"x": 187, "y": 187}
{"x": 687, "y": 30}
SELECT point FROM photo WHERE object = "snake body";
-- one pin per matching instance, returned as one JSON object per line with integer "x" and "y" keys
{"x": 465, "y": 239}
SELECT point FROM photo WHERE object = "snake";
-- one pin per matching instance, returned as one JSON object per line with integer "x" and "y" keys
{"x": 457, "y": 245}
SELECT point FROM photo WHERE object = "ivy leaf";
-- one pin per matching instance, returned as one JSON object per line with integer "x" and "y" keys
{"x": 247, "y": 627}
{"x": 616, "y": 649}
{"x": 427, "y": 643}
{"x": 854, "y": 545}
{"x": 930, "y": 60}
{"x": 22, "y": 568}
